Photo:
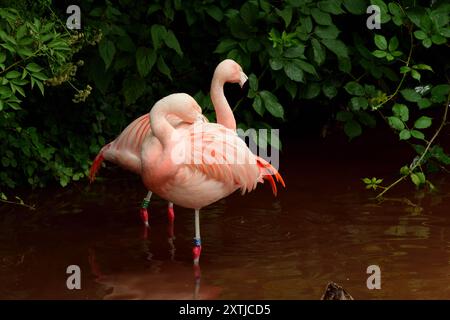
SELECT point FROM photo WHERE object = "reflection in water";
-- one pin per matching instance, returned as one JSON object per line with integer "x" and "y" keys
{"x": 324, "y": 227}
{"x": 160, "y": 280}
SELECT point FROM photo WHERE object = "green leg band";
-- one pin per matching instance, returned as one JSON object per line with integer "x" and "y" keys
{"x": 145, "y": 203}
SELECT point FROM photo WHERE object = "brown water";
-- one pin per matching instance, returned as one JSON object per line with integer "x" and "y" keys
{"x": 323, "y": 227}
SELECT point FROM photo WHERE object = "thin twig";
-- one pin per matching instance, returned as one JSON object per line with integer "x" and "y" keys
{"x": 419, "y": 161}
{"x": 19, "y": 204}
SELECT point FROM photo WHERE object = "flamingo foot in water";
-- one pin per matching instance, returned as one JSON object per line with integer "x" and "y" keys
{"x": 144, "y": 216}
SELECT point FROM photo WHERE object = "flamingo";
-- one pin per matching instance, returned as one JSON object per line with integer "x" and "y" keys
{"x": 196, "y": 164}
{"x": 126, "y": 148}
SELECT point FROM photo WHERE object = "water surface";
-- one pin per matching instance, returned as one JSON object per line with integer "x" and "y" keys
{"x": 323, "y": 227}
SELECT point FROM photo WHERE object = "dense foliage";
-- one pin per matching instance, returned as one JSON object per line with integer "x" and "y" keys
{"x": 130, "y": 53}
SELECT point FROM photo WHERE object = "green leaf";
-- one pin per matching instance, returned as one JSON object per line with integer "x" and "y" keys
{"x": 405, "y": 69}
{"x": 172, "y": 42}
{"x": 367, "y": 119}
{"x": 34, "y": 67}
{"x": 306, "y": 66}
{"x": 276, "y": 64}
{"x": 352, "y": 129}
{"x": 295, "y": 52}
{"x": 439, "y": 154}
{"x": 422, "y": 66}
{"x": 415, "y": 74}
{"x": 12, "y": 74}
{"x": 379, "y": 53}
{"x": 318, "y": 51}
{"x": 215, "y": 12}
{"x": 421, "y": 176}
{"x": 321, "y": 17}
{"x": 291, "y": 87}
{"x": 417, "y": 134}
{"x": 258, "y": 106}
{"x": 410, "y": 95}
{"x": 312, "y": 90}
{"x": 395, "y": 9}
{"x": 420, "y": 35}
{"x": 330, "y": 6}
{"x": 357, "y": 7}
{"x": 133, "y": 88}
{"x": 293, "y": 71}
{"x": 40, "y": 86}
{"x": 249, "y": 13}
{"x": 145, "y": 59}
{"x": 107, "y": 51}
{"x": 404, "y": 134}
{"x": 158, "y": 33}
{"x": 380, "y": 42}
{"x": 427, "y": 43}
{"x": 401, "y": 111}
{"x": 253, "y": 45}
{"x": 253, "y": 82}
{"x": 358, "y": 103}
{"x": 438, "y": 39}
{"x": 396, "y": 123}
{"x": 439, "y": 93}
{"x": 423, "y": 122}
{"x": 415, "y": 179}
{"x": 424, "y": 103}
{"x": 329, "y": 89}
{"x": 326, "y": 32}
{"x": 393, "y": 44}
{"x": 271, "y": 104}
{"x": 344, "y": 116}
{"x": 337, "y": 47}
{"x": 40, "y": 76}
{"x": 354, "y": 88}
{"x": 163, "y": 68}
{"x": 286, "y": 15}
{"x": 404, "y": 171}
{"x": 225, "y": 46}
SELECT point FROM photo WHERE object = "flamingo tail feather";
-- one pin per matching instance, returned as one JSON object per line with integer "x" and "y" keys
{"x": 268, "y": 172}
{"x": 96, "y": 164}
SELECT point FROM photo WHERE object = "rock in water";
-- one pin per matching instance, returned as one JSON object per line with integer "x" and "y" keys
{"x": 335, "y": 292}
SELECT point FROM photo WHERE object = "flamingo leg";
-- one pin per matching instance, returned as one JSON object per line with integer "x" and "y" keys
{"x": 197, "y": 240}
{"x": 144, "y": 212}
{"x": 170, "y": 212}
{"x": 170, "y": 230}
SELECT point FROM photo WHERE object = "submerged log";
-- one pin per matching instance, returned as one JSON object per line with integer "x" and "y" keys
{"x": 334, "y": 291}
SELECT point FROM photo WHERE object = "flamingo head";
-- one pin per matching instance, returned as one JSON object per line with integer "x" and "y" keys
{"x": 231, "y": 71}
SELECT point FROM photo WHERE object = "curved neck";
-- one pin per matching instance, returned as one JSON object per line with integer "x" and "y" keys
{"x": 224, "y": 114}
{"x": 161, "y": 128}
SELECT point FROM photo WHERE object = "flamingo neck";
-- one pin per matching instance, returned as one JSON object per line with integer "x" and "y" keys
{"x": 224, "y": 114}
{"x": 161, "y": 128}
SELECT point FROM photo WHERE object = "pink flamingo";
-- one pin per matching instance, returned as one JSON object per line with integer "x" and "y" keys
{"x": 125, "y": 150}
{"x": 198, "y": 164}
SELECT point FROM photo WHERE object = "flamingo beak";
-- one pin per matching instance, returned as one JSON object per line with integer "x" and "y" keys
{"x": 243, "y": 79}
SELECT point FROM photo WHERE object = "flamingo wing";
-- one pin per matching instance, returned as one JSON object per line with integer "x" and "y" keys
{"x": 125, "y": 149}
{"x": 221, "y": 155}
